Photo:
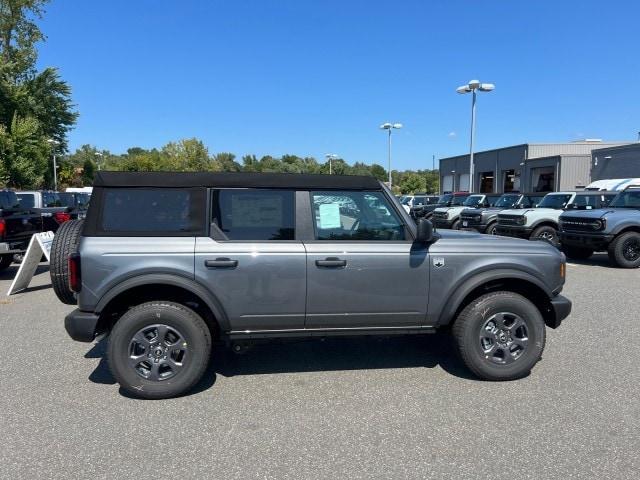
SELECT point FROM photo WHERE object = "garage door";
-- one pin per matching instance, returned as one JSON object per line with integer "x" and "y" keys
{"x": 447, "y": 183}
{"x": 464, "y": 182}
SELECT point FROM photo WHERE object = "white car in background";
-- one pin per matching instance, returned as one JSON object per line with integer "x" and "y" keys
{"x": 449, "y": 217}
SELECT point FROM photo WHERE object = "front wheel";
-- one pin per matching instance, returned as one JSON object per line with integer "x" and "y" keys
{"x": 491, "y": 229}
{"x": 546, "y": 233}
{"x": 624, "y": 251}
{"x": 159, "y": 350}
{"x": 455, "y": 225}
{"x": 500, "y": 336}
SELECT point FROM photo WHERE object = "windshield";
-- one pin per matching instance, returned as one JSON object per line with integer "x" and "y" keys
{"x": 507, "y": 201}
{"x": 473, "y": 201}
{"x": 556, "y": 201}
{"x": 405, "y": 200}
{"x": 67, "y": 199}
{"x": 459, "y": 201}
{"x": 419, "y": 201}
{"x": 444, "y": 199}
{"x": 627, "y": 199}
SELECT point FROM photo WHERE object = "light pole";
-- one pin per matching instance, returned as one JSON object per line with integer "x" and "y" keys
{"x": 472, "y": 87}
{"x": 100, "y": 156}
{"x": 331, "y": 157}
{"x": 54, "y": 144}
{"x": 390, "y": 126}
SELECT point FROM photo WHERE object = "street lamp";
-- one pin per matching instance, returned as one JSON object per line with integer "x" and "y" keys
{"x": 54, "y": 144}
{"x": 99, "y": 155}
{"x": 390, "y": 126}
{"x": 472, "y": 87}
{"x": 330, "y": 157}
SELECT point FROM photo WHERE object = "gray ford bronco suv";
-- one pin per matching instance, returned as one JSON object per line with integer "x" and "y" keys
{"x": 615, "y": 229}
{"x": 168, "y": 264}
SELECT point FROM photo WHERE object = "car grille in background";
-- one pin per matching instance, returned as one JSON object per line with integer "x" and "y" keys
{"x": 580, "y": 224}
{"x": 508, "y": 219}
{"x": 471, "y": 219}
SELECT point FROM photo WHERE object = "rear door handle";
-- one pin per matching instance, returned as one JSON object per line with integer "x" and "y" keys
{"x": 331, "y": 262}
{"x": 221, "y": 263}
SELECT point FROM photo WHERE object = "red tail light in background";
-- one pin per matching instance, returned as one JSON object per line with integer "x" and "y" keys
{"x": 62, "y": 217}
{"x": 75, "y": 276}
{"x": 3, "y": 227}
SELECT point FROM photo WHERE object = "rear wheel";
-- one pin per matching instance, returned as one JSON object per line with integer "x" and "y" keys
{"x": 5, "y": 261}
{"x": 546, "y": 233}
{"x": 500, "y": 336}
{"x": 624, "y": 251}
{"x": 159, "y": 350}
{"x": 577, "y": 253}
{"x": 65, "y": 242}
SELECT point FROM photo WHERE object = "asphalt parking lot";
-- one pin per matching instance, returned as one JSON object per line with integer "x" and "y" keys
{"x": 400, "y": 407}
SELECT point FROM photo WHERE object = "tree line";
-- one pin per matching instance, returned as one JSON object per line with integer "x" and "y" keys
{"x": 37, "y": 112}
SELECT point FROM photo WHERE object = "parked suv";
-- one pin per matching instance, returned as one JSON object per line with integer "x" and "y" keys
{"x": 16, "y": 228}
{"x": 449, "y": 217}
{"x": 422, "y": 205}
{"x": 542, "y": 223}
{"x": 238, "y": 257}
{"x": 48, "y": 205}
{"x": 615, "y": 229}
{"x": 485, "y": 219}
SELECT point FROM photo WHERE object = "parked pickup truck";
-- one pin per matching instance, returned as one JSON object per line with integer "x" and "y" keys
{"x": 16, "y": 227}
{"x": 614, "y": 229}
{"x": 242, "y": 257}
{"x": 48, "y": 205}
{"x": 542, "y": 223}
{"x": 77, "y": 203}
{"x": 449, "y": 217}
{"x": 485, "y": 219}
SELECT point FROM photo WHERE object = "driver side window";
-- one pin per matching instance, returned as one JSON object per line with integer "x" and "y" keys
{"x": 355, "y": 215}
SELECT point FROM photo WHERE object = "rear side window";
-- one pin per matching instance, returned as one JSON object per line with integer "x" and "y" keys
{"x": 254, "y": 214}
{"x": 587, "y": 202}
{"x": 152, "y": 211}
{"x": 51, "y": 199}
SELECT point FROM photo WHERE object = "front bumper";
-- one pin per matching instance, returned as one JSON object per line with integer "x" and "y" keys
{"x": 561, "y": 310}
{"x": 442, "y": 223}
{"x": 513, "y": 231}
{"x": 594, "y": 241}
{"x": 81, "y": 326}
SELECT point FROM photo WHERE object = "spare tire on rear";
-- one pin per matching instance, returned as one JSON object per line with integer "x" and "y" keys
{"x": 65, "y": 242}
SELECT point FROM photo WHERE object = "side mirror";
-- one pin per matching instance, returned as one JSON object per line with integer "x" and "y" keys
{"x": 425, "y": 231}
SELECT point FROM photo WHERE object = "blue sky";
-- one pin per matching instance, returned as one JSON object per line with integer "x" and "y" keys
{"x": 310, "y": 77}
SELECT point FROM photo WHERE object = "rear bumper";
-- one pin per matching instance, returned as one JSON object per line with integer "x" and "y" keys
{"x": 561, "y": 310}
{"x": 513, "y": 231}
{"x": 81, "y": 326}
{"x": 595, "y": 241}
{"x": 13, "y": 247}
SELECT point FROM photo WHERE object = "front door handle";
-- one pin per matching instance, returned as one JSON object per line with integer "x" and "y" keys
{"x": 331, "y": 262}
{"x": 221, "y": 263}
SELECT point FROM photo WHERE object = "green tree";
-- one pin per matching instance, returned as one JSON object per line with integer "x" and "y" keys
{"x": 379, "y": 172}
{"x": 412, "y": 183}
{"x": 189, "y": 155}
{"x": 225, "y": 162}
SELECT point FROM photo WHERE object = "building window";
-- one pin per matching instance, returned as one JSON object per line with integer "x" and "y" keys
{"x": 508, "y": 181}
{"x": 486, "y": 182}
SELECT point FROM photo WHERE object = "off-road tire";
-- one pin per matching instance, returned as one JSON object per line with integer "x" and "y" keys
{"x": 542, "y": 232}
{"x": 470, "y": 324}
{"x": 5, "y": 261}
{"x": 455, "y": 225}
{"x": 65, "y": 242}
{"x": 617, "y": 248}
{"x": 176, "y": 316}
{"x": 577, "y": 253}
{"x": 491, "y": 229}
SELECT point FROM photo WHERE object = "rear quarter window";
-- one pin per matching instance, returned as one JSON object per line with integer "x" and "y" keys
{"x": 151, "y": 211}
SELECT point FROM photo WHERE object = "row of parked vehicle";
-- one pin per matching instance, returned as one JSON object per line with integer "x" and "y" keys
{"x": 580, "y": 223}
{"x": 24, "y": 213}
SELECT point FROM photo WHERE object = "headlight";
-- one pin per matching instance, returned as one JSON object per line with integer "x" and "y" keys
{"x": 522, "y": 220}
{"x": 598, "y": 224}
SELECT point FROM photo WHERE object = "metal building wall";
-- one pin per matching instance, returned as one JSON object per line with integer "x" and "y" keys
{"x": 575, "y": 171}
{"x": 624, "y": 162}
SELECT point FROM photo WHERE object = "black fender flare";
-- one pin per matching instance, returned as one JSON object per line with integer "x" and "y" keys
{"x": 188, "y": 284}
{"x": 628, "y": 226}
{"x": 544, "y": 220}
{"x": 470, "y": 284}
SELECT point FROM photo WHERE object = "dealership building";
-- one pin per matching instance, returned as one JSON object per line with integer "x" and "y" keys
{"x": 616, "y": 162}
{"x": 532, "y": 167}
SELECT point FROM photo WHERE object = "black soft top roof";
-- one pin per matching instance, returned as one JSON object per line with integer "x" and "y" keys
{"x": 235, "y": 180}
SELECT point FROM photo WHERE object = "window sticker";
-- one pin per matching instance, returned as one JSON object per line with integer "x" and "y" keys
{"x": 330, "y": 216}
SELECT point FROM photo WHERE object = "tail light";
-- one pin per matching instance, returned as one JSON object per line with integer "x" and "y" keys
{"x": 61, "y": 217}
{"x": 3, "y": 227}
{"x": 75, "y": 276}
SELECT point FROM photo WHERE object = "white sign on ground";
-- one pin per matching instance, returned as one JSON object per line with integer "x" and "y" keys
{"x": 39, "y": 245}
